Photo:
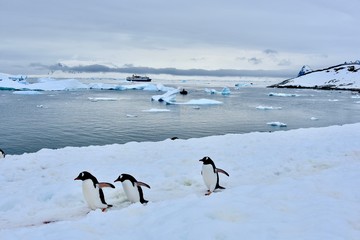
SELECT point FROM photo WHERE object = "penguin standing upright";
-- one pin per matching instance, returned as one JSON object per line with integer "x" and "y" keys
{"x": 2, "y": 153}
{"x": 210, "y": 175}
{"x": 132, "y": 188}
{"x": 93, "y": 192}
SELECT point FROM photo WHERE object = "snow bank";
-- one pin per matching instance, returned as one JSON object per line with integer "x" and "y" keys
{"x": 343, "y": 76}
{"x": 298, "y": 184}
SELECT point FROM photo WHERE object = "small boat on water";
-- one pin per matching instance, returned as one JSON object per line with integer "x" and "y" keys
{"x": 137, "y": 78}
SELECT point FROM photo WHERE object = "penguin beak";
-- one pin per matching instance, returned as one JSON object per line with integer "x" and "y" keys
{"x": 117, "y": 180}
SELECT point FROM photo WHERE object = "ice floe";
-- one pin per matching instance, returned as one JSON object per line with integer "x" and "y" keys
{"x": 272, "y": 94}
{"x": 268, "y": 108}
{"x": 277, "y": 124}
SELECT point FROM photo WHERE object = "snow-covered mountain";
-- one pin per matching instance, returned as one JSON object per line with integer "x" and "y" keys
{"x": 344, "y": 76}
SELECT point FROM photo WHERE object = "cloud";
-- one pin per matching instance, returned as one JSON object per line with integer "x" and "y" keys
{"x": 270, "y": 52}
{"x": 129, "y": 68}
{"x": 254, "y": 60}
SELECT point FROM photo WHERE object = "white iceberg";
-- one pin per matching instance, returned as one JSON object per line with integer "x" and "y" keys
{"x": 277, "y": 124}
{"x": 268, "y": 108}
{"x": 50, "y": 84}
{"x": 202, "y": 101}
{"x": 283, "y": 94}
{"x": 97, "y": 99}
{"x": 169, "y": 96}
{"x": 27, "y": 92}
{"x": 156, "y": 110}
{"x": 225, "y": 91}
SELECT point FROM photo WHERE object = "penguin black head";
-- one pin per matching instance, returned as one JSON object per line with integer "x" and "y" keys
{"x": 2, "y": 153}
{"x": 85, "y": 176}
{"x": 206, "y": 160}
{"x": 123, "y": 177}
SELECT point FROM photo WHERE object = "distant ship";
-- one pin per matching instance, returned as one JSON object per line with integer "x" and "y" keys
{"x": 137, "y": 78}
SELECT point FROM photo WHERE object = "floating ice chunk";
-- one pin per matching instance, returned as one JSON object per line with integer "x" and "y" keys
{"x": 268, "y": 108}
{"x": 226, "y": 91}
{"x": 210, "y": 91}
{"x": 277, "y": 124}
{"x": 283, "y": 94}
{"x": 333, "y": 100}
{"x": 156, "y": 110}
{"x": 169, "y": 96}
{"x": 239, "y": 85}
{"x": 27, "y": 92}
{"x": 355, "y": 96}
{"x": 41, "y": 106}
{"x": 202, "y": 101}
{"x": 314, "y": 119}
{"x": 97, "y": 99}
{"x": 131, "y": 115}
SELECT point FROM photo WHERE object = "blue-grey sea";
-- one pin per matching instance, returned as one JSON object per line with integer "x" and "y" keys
{"x": 57, "y": 119}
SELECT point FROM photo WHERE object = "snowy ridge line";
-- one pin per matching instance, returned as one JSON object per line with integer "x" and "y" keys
{"x": 340, "y": 77}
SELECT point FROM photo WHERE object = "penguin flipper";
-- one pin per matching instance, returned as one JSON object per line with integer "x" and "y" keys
{"x": 219, "y": 170}
{"x": 105, "y": 184}
{"x": 142, "y": 184}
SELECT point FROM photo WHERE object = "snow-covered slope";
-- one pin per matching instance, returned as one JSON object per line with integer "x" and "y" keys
{"x": 343, "y": 76}
{"x": 299, "y": 184}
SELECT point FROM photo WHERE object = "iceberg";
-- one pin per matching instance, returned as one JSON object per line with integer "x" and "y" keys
{"x": 97, "y": 99}
{"x": 169, "y": 96}
{"x": 277, "y": 124}
{"x": 51, "y": 84}
{"x": 202, "y": 101}
{"x": 225, "y": 91}
{"x": 156, "y": 110}
{"x": 284, "y": 94}
{"x": 268, "y": 108}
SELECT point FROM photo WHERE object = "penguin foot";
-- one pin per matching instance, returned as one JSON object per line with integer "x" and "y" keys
{"x": 104, "y": 209}
{"x": 208, "y": 193}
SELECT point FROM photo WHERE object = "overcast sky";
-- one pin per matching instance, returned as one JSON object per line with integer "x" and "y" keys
{"x": 208, "y": 35}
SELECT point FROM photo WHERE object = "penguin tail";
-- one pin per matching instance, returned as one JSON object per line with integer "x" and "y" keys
{"x": 219, "y": 187}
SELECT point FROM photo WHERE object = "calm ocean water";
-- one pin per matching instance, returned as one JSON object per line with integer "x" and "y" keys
{"x": 69, "y": 118}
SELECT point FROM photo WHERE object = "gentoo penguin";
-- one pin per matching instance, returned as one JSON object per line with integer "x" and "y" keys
{"x": 93, "y": 192}
{"x": 210, "y": 175}
{"x": 132, "y": 188}
{"x": 2, "y": 153}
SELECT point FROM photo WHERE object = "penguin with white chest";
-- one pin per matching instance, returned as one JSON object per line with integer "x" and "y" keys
{"x": 2, "y": 153}
{"x": 92, "y": 190}
{"x": 132, "y": 188}
{"x": 210, "y": 175}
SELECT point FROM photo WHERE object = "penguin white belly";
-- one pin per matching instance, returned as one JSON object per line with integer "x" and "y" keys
{"x": 210, "y": 178}
{"x": 92, "y": 195}
{"x": 131, "y": 191}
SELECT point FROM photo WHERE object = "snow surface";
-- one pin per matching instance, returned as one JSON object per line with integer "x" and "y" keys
{"x": 297, "y": 184}
{"x": 344, "y": 76}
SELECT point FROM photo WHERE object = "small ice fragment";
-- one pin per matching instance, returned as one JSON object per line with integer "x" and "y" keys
{"x": 277, "y": 124}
